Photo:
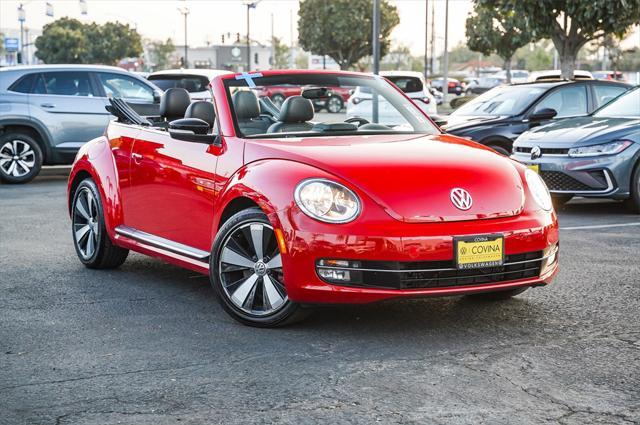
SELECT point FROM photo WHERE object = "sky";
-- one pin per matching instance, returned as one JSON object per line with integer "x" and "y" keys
{"x": 209, "y": 19}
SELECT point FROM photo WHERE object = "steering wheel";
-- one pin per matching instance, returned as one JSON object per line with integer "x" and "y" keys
{"x": 358, "y": 120}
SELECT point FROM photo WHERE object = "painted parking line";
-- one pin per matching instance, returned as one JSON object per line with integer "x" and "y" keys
{"x": 600, "y": 226}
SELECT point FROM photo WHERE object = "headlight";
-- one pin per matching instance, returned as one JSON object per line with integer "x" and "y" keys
{"x": 603, "y": 149}
{"x": 326, "y": 200}
{"x": 538, "y": 189}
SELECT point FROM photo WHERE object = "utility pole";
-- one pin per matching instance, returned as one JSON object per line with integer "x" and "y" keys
{"x": 376, "y": 57}
{"x": 445, "y": 81}
{"x": 273, "y": 46}
{"x": 433, "y": 36}
{"x": 185, "y": 11}
{"x": 426, "y": 39}
{"x": 250, "y": 6}
{"x": 21, "y": 17}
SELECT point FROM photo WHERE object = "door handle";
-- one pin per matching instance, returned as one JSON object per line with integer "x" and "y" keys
{"x": 48, "y": 105}
{"x": 137, "y": 158}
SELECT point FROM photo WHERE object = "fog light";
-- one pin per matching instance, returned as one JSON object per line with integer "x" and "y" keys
{"x": 339, "y": 271}
{"x": 550, "y": 261}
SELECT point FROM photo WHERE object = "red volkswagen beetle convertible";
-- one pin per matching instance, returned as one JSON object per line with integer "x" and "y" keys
{"x": 285, "y": 208}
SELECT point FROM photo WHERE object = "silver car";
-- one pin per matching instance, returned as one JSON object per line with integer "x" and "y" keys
{"x": 48, "y": 111}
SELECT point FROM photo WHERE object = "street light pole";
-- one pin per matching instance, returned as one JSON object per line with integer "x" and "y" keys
{"x": 185, "y": 11}
{"x": 445, "y": 81}
{"x": 250, "y": 6}
{"x": 376, "y": 57}
{"x": 21, "y": 18}
{"x": 426, "y": 39}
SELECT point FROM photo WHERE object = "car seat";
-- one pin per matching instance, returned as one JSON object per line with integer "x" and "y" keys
{"x": 295, "y": 113}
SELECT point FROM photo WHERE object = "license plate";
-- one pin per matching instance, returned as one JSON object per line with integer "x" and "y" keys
{"x": 473, "y": 252}
{"x": 534, "y": 167}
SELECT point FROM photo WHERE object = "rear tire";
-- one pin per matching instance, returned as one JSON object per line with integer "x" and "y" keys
{"x": 498, "y": 295}
{"x": 246, "y": 272}
{"x": 500, "y": 150}
{"x": 633, "y": 203}
{"x": 334, "y": 104}
{"x": 90, "y": 239}
{"x": 20, "y": 158}
{"x": 278, "y": 99}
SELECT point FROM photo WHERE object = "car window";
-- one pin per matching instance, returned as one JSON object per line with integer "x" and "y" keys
{"x": 71, "y": 83}
{"x": 191, "y": 83}
{"x": 24, "y": 84}
{"x": 567, "y": 101}
{"x": 407, "y": 84}
{"x": 126, "y": 87}
{"x": 627, "y": 105}
{"x": 606, "y": 93}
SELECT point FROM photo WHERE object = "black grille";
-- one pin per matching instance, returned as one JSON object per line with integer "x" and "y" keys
{"x": 557, "y": 180}
{"x": 544, "y": 151}
{"x": 415, "y": 275}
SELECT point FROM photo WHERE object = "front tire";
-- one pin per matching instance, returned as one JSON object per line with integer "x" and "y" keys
{"x": 500, "y": 150}
{"x": 633, "y": 203}
{"x": 20, "y": 158}
{"x": 334, "y": 104}
{"x": 247, "y": 274}
{"x": 90, "y": 239}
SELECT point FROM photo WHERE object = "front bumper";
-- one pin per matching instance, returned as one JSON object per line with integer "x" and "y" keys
{"x": 605, "y": 176}
{"x": 412, "y": 246}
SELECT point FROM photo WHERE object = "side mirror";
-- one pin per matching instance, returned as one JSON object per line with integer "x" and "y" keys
{"x": 194, "y": 125}
{"x": 543, "y": 114}
{"x": 156, "y": 96}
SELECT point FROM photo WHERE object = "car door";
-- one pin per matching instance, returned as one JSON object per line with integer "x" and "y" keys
{"x": 68, "y": 105}
{"x": 171, "y": 193}
{"x": 142, "y": 96}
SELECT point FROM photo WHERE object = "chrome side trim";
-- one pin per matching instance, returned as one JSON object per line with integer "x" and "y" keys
{"x": 162, "y": 243}
{"x": 609, "y": 187}
{"x": 431, "y": 270}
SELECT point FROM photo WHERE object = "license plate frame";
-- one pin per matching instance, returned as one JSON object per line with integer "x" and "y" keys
{"x": 491, "y": 259}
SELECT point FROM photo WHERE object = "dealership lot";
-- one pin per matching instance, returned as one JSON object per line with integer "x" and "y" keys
{"x": 148, "y": 343}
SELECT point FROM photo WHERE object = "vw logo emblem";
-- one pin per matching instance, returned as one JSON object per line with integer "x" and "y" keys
{"x": 260, "y": 268}
{"x": 536, "y": 152}
{"x": 461, "y": 199}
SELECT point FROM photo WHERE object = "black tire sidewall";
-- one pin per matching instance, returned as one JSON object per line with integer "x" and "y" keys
{"x": 38, "y": 158}
{"x": 334, "y": 98}
{"x": 276, "y": 319}
{"x": 502, "y": 151}
{"x": 278, "y": 99}
{"x": 634, "y": 189}
{"x": 94, "y": 260}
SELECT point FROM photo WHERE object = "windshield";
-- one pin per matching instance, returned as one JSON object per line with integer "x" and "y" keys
{"x": 625, "y": 105}
{"x": 191, "y": 83}
{"x": 321, "y": 104}
{"x": 504, "y": 100}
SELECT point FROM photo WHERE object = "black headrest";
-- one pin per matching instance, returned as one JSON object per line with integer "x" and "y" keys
{"x": 246, "y": 105}
{"x": 174, "y": 103}
{"x": 202, "y": 109}
{"x": 296, "y": 109}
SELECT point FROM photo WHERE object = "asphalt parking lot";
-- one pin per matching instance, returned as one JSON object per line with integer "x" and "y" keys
{"x": 148, "y": 343}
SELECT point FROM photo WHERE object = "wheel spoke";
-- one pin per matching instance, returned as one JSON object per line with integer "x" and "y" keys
{"x": 231, "y": 257}
{"x": 271, "y": 293}
{"x": 82, "y": 209}
{"x": 26, "y": 164}
{"x": 82, "y": 232}
{"x": 90, "y": 244}
{"x": 256, "y": 238}
{"x": 275, "y": 262}
{"x": 12, "y": 167}
{"x": 90, "y": 204}
{"x": 26, "y": 149}
{"x": 15, "y": 147}
{"x": 240, "y": 295}
{"x": 5, "y": 156}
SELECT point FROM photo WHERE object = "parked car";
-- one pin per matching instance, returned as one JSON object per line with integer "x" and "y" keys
{"x": 609, "y": 75}
{"x": 455, "y": 87}
{"x": 498, "y": 116}
{"x": 555, "y": 74}
{"x": 334, "y": 101}
{"x": 284, "y": 211}
{"x": 413, "y": 85}
{"x": 484, "y": 84}
{"x": 517, "y": 75}
{"x": 593, "y": 156}
{"x": 195, "y": 81}
{"x": 49, "y": 111}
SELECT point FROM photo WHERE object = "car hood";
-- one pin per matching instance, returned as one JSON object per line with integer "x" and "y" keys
{"x": 576, "y": 131}
{"x": 461, "y": 122}
{"x": 409, "y": 176}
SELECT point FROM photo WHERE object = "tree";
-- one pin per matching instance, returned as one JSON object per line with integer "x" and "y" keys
{"x": 570, "y": 24}
{"x": 341, "y": 29}
{"x": 491, "y": 30}
{"x": 281, "y": 54}
{"x": 160, "y": 53}
{"x": 70, "y": 41}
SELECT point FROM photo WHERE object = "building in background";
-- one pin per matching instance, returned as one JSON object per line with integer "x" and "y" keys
{"x": 225, "y": 56}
